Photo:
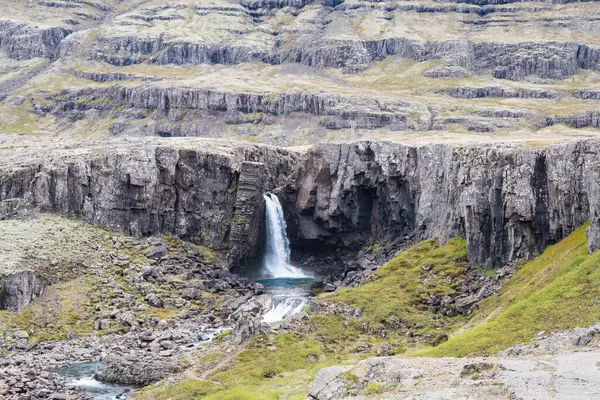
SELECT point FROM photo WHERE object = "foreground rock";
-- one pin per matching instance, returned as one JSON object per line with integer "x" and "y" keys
{"x": 561, "y": 374}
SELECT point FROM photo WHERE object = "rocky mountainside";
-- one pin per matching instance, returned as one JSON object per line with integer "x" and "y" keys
{"x": 294, "y": 72}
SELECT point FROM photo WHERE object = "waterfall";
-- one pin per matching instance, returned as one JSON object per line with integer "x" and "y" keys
{"x": 277, "y": 252}
{"x": 286, "y": 283}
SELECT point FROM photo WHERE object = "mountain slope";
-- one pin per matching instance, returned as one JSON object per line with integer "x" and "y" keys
{"x": 296, "y": 72}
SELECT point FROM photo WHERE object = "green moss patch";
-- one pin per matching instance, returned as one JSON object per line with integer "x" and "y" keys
{"x": 259, "y": 362}
{"x": 184, "y": 390}
{"x": 392, "y": 304}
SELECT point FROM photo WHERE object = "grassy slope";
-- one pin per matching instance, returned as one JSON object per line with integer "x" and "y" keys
{"x": 558, "y": 290}
{"x": 392, "y": 302}
{"x": 268, "y": 368}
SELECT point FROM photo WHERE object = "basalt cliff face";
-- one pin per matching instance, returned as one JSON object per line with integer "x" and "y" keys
{"x": 507, "y": 202}
{"x": 205, "y": 192}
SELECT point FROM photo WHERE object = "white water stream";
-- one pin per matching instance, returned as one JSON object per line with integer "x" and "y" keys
{"x": 277, "y": 251}
{"x": 287, "y": 298}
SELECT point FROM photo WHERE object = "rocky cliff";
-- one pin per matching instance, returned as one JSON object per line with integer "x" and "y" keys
{"x": 183, "y": 111}
{"x": 507, "y": 202}
{"x": 193, "y": 191}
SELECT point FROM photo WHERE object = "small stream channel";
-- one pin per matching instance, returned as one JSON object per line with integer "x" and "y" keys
{"x": 289, "y": 296}
{"x": 81, "y": 375}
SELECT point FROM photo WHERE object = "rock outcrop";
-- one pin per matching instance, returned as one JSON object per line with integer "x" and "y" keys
{"x": 22, "y": 41}
{"x": 463, "y": 378}
{"x": 137, "y": 370}
{"x": 187, "y": 108}
{"x": 459, "y": 57}
{"x": 507, "y": 202}
{"x": 18, "y": 289}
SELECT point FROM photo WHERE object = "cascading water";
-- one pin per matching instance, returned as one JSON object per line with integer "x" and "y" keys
{"x": 288, "y": 283}
{"x": 277, "y": 251}
{"x": 289, "y": 297}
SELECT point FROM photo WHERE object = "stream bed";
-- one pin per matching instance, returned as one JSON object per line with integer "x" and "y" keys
{"x": 82, "y": 376}
{"x": 289, "y": 295}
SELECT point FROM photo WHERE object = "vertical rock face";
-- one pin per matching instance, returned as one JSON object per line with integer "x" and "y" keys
{"x": 507, "y": 202}
{"x": 22, "y": 42}
{"x": 192, "y": 193}
{"x": 190, "y": 107}
{"x": 247, "y": 223}
{"x": 18, "y": 289}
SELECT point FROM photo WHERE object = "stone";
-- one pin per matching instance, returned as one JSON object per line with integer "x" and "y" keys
{"x": 191, "y": 293}
{"x": 585, "y": 338}
{"x": 258, "y": 288}
{"x": 464, "y": 305}
{"x": 114, "y": 368}
{"x": 154, "y": 301}
{"x": 127, "y": 318}
{"x": 21, "y": 334}
{"x": 158, "y": 251}
{"x": 329, "y": 287}
{"x": 167, "y": 344}
{"x": 325, "y": 386}
{"x": 385, "y": 349}
{"x": 104, "y": 324}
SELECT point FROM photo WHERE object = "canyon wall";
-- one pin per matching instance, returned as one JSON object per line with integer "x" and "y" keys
{"x": 507, "y": 202}
{"x": 191, "y": 192}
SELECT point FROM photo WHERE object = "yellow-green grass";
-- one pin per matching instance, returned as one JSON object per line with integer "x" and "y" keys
{"x": 398, "y": 288}
{"x": 558, "y": 290}
{"x": 269, "y": 368}
{"x": 189, "y": 389}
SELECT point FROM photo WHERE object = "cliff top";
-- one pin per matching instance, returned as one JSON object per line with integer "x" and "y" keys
{"x": 27, "y": 151}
